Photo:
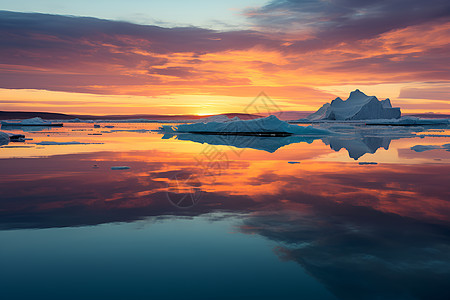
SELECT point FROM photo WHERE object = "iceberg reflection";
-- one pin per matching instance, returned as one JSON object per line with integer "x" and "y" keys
{"x": 357, "y": 146}
{"x": 269, "y": 144}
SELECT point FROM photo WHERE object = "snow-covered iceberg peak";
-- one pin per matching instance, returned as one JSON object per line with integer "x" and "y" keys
{"x": 269, "y": 126}
{"x": 358, "y": 106}
{"x": 33, "y": 121}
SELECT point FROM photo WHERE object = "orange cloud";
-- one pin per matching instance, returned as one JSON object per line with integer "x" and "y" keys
{"x": 98, "y": 57}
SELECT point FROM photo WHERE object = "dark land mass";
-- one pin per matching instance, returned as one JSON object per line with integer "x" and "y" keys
{"x": 289, "y": 115}
{"x": 13, "y": 115}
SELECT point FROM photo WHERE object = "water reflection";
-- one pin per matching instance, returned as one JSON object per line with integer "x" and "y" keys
{"x": 356, "y": 146}
{"x": 359, "y": 145}
{"x": 358, "y": 140}
{"x": 360, "y": 253}
{"x": 80, "y": 189}
{"x": 268, "y": 144}
{"x": 378, "y": 232}
{"x": 364, "y": 237}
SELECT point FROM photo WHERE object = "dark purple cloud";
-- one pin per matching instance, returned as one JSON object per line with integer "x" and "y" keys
{"x": 29, "y": 31}
{"x": 80, "y": 54}
{"x": 88, "y": 55}
{"x": 183, "y": 72}
{"x": 429, "y": 64}
{"x": 337, "y": 21}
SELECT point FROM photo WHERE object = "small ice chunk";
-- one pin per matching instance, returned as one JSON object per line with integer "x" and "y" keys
{"x": 409, "y": 121}
{"x": 423, "y": 148}
{"x": 120, "y": 168}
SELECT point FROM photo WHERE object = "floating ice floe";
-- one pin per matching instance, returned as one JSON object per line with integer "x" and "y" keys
{"x": 269, "y": 126}
{"x": 76, "y": 120}
{"x": 120, "y": 168}
{"x": 409, "y": 121}
{"x": 423, "y": 148}
{"x": 31, "y": 122}
{"x": 358, "y": 106}
{"x": 6, "y": 137}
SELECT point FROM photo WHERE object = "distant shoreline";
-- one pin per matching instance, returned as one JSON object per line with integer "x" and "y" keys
{"x": 14, "y": 115}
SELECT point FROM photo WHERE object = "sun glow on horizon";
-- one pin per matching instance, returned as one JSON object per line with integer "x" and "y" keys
{"x": 201, "y": 105}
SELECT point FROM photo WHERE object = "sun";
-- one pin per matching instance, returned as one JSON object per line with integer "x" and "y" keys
{"x": 204, "y": 114}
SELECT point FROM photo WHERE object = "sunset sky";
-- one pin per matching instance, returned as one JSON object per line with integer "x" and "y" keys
{"x": 206, "y": 57}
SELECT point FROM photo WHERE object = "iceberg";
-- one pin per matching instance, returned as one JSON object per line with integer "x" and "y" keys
{"x": 358, "y": 106}
{"x": 269, "y": 126}
{"x": 31, "y": 122}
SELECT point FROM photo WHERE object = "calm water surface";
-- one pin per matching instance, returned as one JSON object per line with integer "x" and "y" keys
{"x": 197, "y": 217}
